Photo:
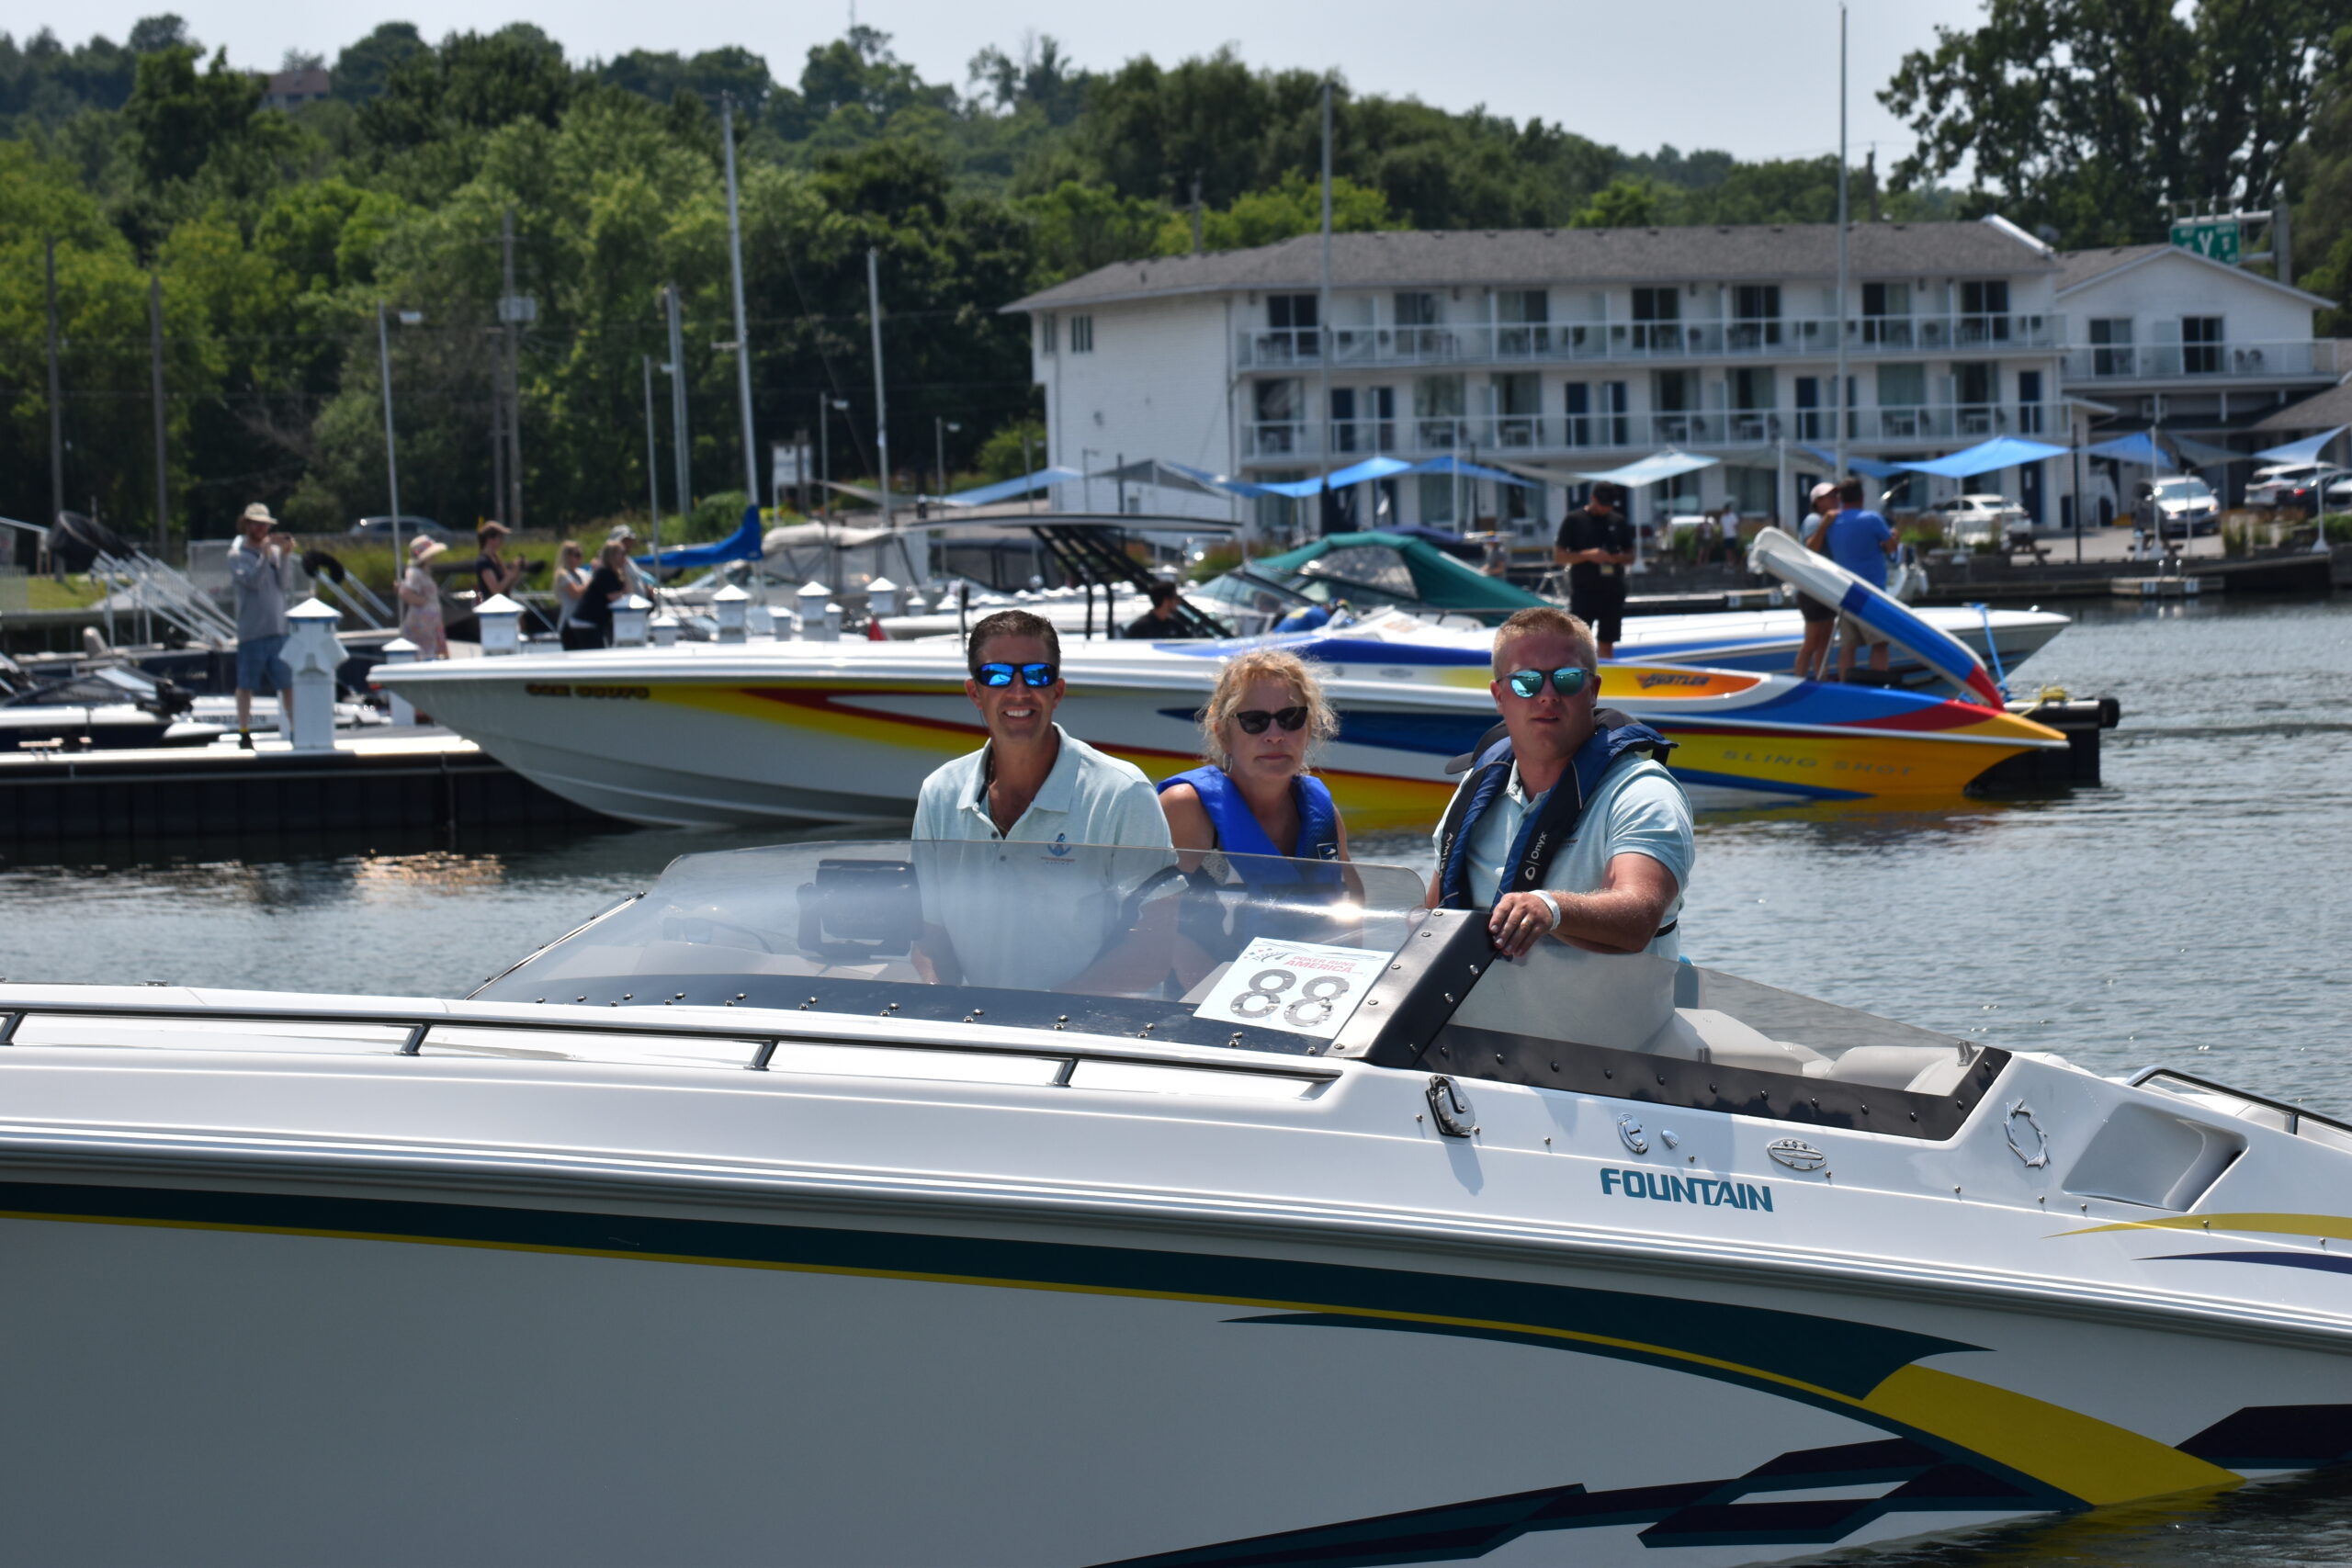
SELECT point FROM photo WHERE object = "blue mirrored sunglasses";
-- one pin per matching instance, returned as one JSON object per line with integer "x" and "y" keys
{"x": 1002, "y": 674}
{"x": 1567, "y": 681}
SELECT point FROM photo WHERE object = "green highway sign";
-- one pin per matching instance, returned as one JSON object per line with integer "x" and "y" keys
{"x": 2214, "y": 238}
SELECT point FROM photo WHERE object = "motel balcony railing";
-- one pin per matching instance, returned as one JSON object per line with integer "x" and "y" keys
{"x": 1558, "y": 342}
{"x": 1916, "y": 428}
{"x": 2318, "y": 358}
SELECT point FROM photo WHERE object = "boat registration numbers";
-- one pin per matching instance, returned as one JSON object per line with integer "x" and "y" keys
{"x": 1296, "y": 987}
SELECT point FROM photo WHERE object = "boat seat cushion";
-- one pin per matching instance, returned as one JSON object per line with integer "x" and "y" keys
{"x": 1923, "y": 1069}
{"x": 1704, "y": 1034}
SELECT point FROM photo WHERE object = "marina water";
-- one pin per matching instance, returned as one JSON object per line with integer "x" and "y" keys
{"x": 2195, "y": 912}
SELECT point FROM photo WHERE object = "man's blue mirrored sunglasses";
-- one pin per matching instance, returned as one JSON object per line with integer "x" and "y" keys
{"x": 1567, "y": 681}
{"x": 1002, "y": 674}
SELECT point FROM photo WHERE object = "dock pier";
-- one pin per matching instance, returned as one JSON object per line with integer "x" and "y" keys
{"x": 414, "y": 780}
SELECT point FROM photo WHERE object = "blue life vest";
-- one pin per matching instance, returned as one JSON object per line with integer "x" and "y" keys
{"x": 1239, "y": 832}
{"x": 1551, "y": 821}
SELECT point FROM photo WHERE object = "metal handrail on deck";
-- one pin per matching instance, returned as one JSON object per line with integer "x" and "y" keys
{"x": 762, "y": 1040}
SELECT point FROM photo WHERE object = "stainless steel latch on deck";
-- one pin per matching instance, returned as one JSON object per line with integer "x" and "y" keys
{"x": 1449, "y": 1109}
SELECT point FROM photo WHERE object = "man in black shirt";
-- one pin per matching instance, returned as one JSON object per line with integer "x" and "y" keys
{"x": 1159, "y": 621}
{"x": 1597, "y": 545}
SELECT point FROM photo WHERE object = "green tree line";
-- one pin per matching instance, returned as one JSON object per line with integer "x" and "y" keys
{"x": 275, "y": 235}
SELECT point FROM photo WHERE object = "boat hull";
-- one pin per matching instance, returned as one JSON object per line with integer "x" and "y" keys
{"x": 322, "y": 1373}
{"x": 798, "y": 738}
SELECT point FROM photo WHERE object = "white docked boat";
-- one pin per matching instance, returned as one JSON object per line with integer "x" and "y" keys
{"x": 814, "y": 733}
{"x": 1201, "y": 1226}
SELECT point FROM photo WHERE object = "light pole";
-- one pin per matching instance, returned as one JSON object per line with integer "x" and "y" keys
{"x": 940, "y": 426}
{"x": 391, "y": 456}
{"x": 825, "y": 405}
{"x": 652, "y": 463}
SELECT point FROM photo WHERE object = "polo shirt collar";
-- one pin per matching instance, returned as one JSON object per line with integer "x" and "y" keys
{"x": 1060, "y": 791}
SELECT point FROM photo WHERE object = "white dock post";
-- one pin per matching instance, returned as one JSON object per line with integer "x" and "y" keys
{"x": 312, "y": 652}
{"x": 809, "y": 601}
{"x": 498, "y": 623}
{"x": 628, "y": 620}
{"x": 400, "y": 651}
{"x": 729, "y": 605}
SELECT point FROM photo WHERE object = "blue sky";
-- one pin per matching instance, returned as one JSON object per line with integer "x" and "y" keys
{"x": 1757, "y": 77}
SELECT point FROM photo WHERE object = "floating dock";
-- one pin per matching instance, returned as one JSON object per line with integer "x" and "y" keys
{"x": 379, "y": 781}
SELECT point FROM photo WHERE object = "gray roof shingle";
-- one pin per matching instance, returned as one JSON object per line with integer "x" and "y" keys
{"x": 1532, "y": 257}
{"x": 2321, "y": 410}
{"x": 2078, "y": 267}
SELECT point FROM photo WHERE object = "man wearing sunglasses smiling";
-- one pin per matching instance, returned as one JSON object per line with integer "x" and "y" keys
{"x": 1033, "y": 791}
{"x": 1568, "y": 824}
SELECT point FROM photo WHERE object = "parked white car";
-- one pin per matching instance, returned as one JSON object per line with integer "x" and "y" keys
{"x": 1972, "y": 520}
{"x": 2181, "y": 507}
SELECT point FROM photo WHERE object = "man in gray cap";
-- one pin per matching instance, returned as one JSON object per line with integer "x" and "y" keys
{"x": 261, "y": 565}
{"x": 631, "y": 573}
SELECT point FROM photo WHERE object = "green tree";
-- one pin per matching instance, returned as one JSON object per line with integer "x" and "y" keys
{"x": 2090, "y": 115}
{"x": 1292, "y": 208}
{"x": 365, "y": 65}
{"x": 180, "y": 117}
{"x": 1626, "y": 202}
{"x": 2319, "y": 172}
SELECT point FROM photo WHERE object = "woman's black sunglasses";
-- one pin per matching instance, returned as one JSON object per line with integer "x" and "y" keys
{"x": 1253, "y": 721}
{"x": 1002, "y": 674}
{"x": 1567, "y": 681}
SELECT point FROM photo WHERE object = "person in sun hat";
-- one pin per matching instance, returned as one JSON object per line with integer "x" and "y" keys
{"x": 261, "y": 570}
{"x": 421, "y": 600}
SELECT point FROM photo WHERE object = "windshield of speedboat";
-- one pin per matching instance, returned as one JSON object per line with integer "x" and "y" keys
{"x": 1644, "y": 1027}
{"x": 1217, "y": 950}
{"x": 1360, "y": 568}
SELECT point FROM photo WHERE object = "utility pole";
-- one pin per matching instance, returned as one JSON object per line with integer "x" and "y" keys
{"x": 56, "y": 401}
{"x": 155, "y": 370}
{"x": 735, "y": 261}
{"x": 1323, "y": 323}
{"x": 497, "y": 423}
{"x": 511, "y": 308}
{"x": 681, "y": 451}
{"x": 1196, "y": 213}
{"x": 391, "y": 459}
{"x": 1837, "y": 398}
{"x": 881, "y": 410}
{"x": 824, "y": 451}
{"x": 652, "y": 462}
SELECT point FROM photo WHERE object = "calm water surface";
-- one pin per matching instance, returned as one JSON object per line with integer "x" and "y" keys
{"x": 2193, "y": 911}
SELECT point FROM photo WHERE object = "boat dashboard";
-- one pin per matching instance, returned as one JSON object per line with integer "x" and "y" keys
{"x": 1296, "y": 958}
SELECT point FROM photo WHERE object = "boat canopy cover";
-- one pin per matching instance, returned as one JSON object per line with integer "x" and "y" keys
{"x": 1648, "y": 470}
{"x": 2304, "y": 451}
{"x": 1405, "y": 569}
{"x": 745, "y": 543}
{"x": 2001, "y": 451}
{"x": 2137, "y": 447}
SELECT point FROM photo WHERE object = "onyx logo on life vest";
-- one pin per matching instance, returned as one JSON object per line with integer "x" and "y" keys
{"x": 1713, "y": 1191}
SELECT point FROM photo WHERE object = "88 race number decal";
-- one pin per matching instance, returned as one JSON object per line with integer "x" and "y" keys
{"x": 1294, "y": 986}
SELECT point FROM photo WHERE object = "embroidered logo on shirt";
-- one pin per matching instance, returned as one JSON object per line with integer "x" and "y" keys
{"x": 1060, "y": 847}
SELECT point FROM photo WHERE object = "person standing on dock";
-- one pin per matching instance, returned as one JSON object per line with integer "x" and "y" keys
{"x": 261, "y": 568}
{"x": 1597, "y": 545}
{"x": 1862, "y": 541}
{"x": 420, "y": 598}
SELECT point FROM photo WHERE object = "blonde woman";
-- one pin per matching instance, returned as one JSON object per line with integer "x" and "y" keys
{"x": 1255, "y": 797}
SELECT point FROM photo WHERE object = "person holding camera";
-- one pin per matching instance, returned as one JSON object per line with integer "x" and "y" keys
{"x": 261, "y": 568}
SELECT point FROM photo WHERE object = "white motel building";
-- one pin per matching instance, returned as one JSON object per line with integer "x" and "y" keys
{"x": 1568, "y": 351}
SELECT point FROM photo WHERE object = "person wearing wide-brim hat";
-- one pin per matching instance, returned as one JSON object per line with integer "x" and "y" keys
{"x": 261, "y": 568}
{"x": 421, "y": 600}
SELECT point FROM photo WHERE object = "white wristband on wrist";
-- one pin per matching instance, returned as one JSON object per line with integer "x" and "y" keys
{"x": 1552, "y": 904}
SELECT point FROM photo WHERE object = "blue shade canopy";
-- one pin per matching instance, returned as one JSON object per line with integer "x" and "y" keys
{"x": 2205, "y": 455}
{"x": 2001, "y": 451}
{"x": 1370, "y": 468}
{"x": 1027, "y": 484}
{"x": 2137, "y": 447}
{"x": 1874, "y": 468}
{"x": 1230, "y": 485}
{"x": 1449, "y": 464}
{"x": 742, "y": 545}
{"x": 2304, "y": 451}
{"x": 1648, "y": 470}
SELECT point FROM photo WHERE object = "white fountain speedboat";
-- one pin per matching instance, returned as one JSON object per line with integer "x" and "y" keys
{"x": 799, "y": 733}
{"x": 1249, "y": 1217}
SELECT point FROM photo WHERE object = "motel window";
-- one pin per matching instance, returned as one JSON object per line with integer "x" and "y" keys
{"x": 1046, "y": 334}
{"x": 2200, "y": 345}
{"x": 1082, "y": 335}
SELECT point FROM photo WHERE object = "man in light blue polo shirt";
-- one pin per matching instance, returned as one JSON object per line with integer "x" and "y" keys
{"x": 1009, "y": 898}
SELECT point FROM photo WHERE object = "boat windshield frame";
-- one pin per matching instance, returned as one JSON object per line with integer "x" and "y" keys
{"x": 1203, "y": 950}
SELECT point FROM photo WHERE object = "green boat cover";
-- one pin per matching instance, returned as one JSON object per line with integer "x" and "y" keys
{"x": 1384, "y": 563}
